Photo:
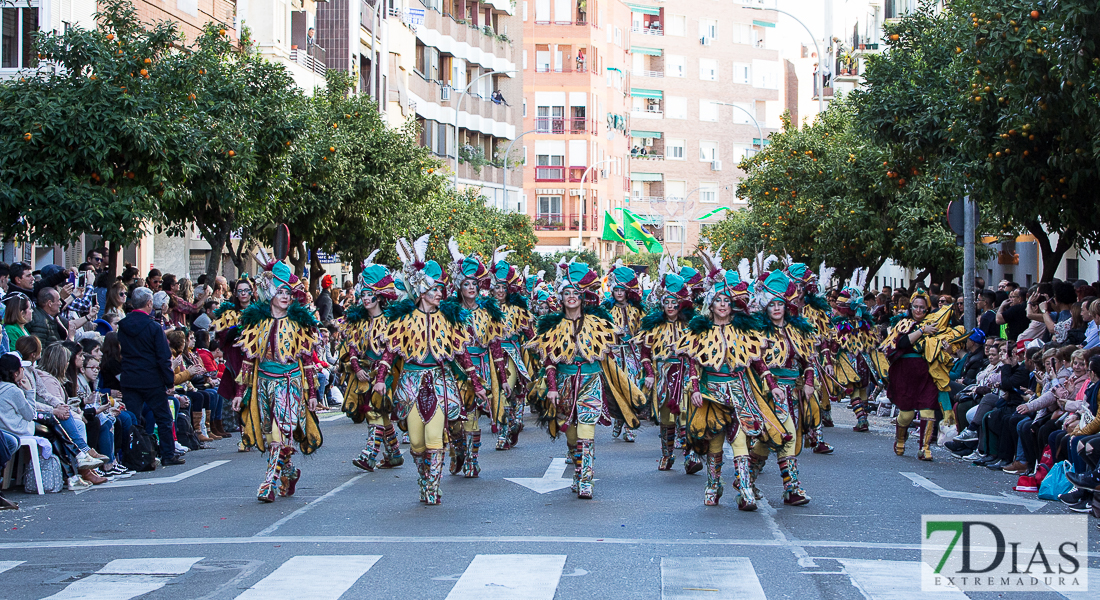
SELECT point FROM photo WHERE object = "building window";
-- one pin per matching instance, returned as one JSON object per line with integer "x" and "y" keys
{"x": 742, "y": 34}
{"x": 549, "y": 217}
{"x": 549, "y": 167}
{"x": 674, "y": 234}
{"x": 17, "y": 46}
{"x": 674, "y": 65}
{"x": 708, "y": 191}
{"x": 708, "y": 28}
{"x": 675, "y": 190}
{"x": 708, "y": 110}
{"x": 1072, "y": 269}
{"x": 674, "y": 149}
{"x": 676, "y": 107}
{"x": 742, "y": 73}
{"x": 708, "y": 69}
{"x": 677, "y": 25}
{"x": 708, "y": 151}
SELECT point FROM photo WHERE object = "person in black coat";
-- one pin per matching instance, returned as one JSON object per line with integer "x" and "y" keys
{"x": 146, "y": 376}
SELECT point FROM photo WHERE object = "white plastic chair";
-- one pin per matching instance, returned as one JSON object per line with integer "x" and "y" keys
{"x": 28, "y": 442}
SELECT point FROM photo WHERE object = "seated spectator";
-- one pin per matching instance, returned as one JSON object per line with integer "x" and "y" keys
{"x": 998, "y": 426}
{"x": 18, "y": 313}
{"x": 116, "y": 300}
{"x": 193, "y": 382}
{"x": 987, "y": 316}
{"x": 1085, "y": 442}
{"x": 206, "y": 317}
{"x": 1069, "y": 381}
{"x": 21, "y": 279}
{"x": 985, "y": 382}
{"x": 160, "y": 308}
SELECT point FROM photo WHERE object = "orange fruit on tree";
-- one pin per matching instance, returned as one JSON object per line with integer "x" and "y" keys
{"x": 894, "y": 37}
{"x": 148, "y": 61}
{"x": 332, "y": 148}
{"x": 144, "y": 72}
{"x": 1034, "y": 15}
{"x": 232, "y": 153}
{"x": 110, "y": 36}
{"x": 27, "y": 136}
{"x": 221, "y": 32}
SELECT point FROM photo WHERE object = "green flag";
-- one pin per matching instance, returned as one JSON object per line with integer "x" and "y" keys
{"x": 714, "y": 212}
{"x": 634, "y": 231}
{"x": 613, "y": 232}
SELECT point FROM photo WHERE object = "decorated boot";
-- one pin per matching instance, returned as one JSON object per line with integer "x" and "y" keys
{"x": 473, "y": 445}
{"x": 630, "y": 434}
{"x": 793, "y": 494}
{"x": 827, "y": 415}
{"x": 421, "y": 474}
{"x": 575, "y": 454}
{"x": 368, "y": 458}
{"x": 289, "y": 476}
{"x": 927, "y": 431}
{"x": 817, "y": 439}
{"x": 861, "y": 415}
{"x": 391, "y": 449}
{"x": 901, "y": 435}
{"x": 617, "y": 429}
{"x": 668, "y": 454}
{"x": 433, "y": 473}
{"x": 504, "y": 439}
{"x": 692, "y": 463}
{"x": 588, "y": 457}
{"x": 458, "y": 451}
{"x": 746, "y": 500}
{"x": 517, "y": 423}
{"x": 714, "y": 488}
{"x": 756, "y": 466}
{"x": 269, "y": 488}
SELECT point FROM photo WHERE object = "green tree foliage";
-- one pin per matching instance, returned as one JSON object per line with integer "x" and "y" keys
{"x": 85, "y": 145}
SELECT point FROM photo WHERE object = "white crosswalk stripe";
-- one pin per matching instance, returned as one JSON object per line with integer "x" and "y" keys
{"x": 340, "y": 572}
{"x": 720, "y": 578}
{"x": 510, "y": 576}
{"x": 126, "y": 578}
{"x": 9, "y": 564}
{"x": 893, "y": 580}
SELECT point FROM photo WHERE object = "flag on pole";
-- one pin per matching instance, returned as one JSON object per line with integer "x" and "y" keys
{"x": 634, "y": 231}
{"x": 613, "y": 232}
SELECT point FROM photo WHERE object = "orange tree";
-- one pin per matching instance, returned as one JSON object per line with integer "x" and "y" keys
{"x": 824, "y": 193}
{"x": 85, "y": 142}
{"x": 1001, "y": 99}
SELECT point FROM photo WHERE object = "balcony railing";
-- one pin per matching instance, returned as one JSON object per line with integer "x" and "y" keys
{"x": 648, "y": 199}
{"x": 650, "y": 73}
{"x": 560, "y": 69}
{"x": 648, "y": 30}
{"x": 549, "y": 173}
{"x": 312, "y": 59}
{"x": 574, "y": 23}
{"x": 576, "y": 173}
{"x": 558, "y": 222}
{"x": 647, "y": 156}
{"x": 562, "y": 125}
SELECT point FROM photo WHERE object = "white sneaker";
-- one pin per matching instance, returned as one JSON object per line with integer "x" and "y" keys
{"x": 85, "y": 460}
{"x": 181, "y": 448}
{"x": 76, "y": 482}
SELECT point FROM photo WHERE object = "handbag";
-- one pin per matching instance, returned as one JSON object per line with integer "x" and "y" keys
{"x": 53, "y": 480}
{"x": 1055, "y": 483}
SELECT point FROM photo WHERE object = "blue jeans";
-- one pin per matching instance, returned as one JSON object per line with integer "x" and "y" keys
{"x": 106, "y": 443}
{"x": 9, "y": 445}
{"x": 322, "y": 382}
{"x": 76, "y": 431}
{"x": 1023, "y": 427}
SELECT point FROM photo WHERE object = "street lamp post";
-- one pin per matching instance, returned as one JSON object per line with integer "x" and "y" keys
{"x": 759, "y": 131}
{"x": 818, "y": 74}
{"x": 458, "y": 108}
{"x": 507, "y": 153}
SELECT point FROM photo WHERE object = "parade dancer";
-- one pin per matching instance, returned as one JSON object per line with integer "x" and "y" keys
{"x": 509, "y": 286}
{"x": 786, "y": 366}
{"x": 364, "y": 331}
{"x": 921, "y": 348}
{"x": 424, "y": 339}
{"x": 486, "y": 329}
{"x": 721, "y": 344}
{"x": 625, "y": 307}
{"x": 666, "y": 372}
{"x": 277, "y": 385}
{"x": 582, "y": 380}
{"x": 226, "y": 328}
{"x": 854, "y": 366}
{"x": 815, "y": 309}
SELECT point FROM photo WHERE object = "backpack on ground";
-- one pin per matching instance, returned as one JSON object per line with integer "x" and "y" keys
{"x": 138, "y": 453}
{"x": 53, "y": 480}
{"x": 185, "y": 433}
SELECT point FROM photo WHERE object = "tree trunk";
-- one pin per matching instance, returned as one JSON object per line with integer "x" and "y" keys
{"x": 112, "y": 259}
{"x": 216, "y": 239}
{"x": 1052, "y": 256}
{"x": 297, "y": 256}
{"x": 316, "y": 270}
{"x": 237, "y": 254}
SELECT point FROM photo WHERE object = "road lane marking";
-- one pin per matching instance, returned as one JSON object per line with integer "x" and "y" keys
{"x": 768, "y": 513}
{"x": 126, "y": 578}
{"x": 1030, "y": 505}
{"x": 155, "y": 480}
{"x": 720, "y": 578}
{"x": 328, "y": 577}
{"x": 510, "y": 576}
{"x": 332, "y": 417}
{"x": 551, "y": 481}
{"x": 283, "y": 521}
{"x": 7, "y": 565}
{"x": 893, "y": 580}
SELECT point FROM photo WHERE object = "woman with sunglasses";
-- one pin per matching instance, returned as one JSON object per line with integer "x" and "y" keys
{"x": 226, "y": 328}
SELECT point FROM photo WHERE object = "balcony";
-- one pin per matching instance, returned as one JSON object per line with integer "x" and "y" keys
{"x": 562, "y": 125}
{"x": 571, "y": 222}
{"x": 576, "y": 173}
{"x": 474, "y": 104}
{"x": 563, "y": 69}
{"x": 647, "y": 156}
{"x": 312, "y": 59}
{"x": 656, "y": 74}
{"x": 564, "y": 23}
{"x": 651, "y": 30}
{"x": 549, "y": 173}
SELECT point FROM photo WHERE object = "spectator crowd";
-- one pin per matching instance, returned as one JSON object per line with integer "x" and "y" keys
{"x": 107, "y": 375}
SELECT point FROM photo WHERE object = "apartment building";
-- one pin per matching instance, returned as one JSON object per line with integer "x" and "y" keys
{"x": 576, "y": 120}
{"x": 705, "y": 92}
{"x": 465, "y": 79}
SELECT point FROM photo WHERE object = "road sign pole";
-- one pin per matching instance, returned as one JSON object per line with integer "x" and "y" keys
{"x": 969, "y": 266}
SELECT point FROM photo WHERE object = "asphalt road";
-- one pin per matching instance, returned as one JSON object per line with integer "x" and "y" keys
{"x": 197, "y": 531}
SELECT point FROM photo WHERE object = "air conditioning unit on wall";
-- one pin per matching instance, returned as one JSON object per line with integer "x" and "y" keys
{"x": 716, "y": 165}
{"x": 705, "y": 40}
{"x": 445, "y": 92}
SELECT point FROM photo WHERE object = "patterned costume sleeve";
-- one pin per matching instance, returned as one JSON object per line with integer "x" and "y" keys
{"x": 761, "y": 369}
{"x": 647, "y": 357}
{"x": 384, "y": 365}
{"x": 500, "y": 359}
{"x": 463, "y": 360}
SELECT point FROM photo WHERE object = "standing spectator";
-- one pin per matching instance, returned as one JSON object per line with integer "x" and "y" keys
{"x": 146, "y": 376}
{"x": 324, "y": 300}
{"x": 979, "y": 284}
{"x": 221, "y": 289}
{"x": 1092, "y": 331}
{"x": 1013, "y": 313}
{"x": 116, "y": 300}
{"x": 987, "y": 317}
{"x": 21, "y": 279}
{"x": 160, "y": 308}
{"x": 95, "y": 259}
{"x": 153, "y": 280}
{"x": 5, "y": 272}
{"x": 129, "y": 275}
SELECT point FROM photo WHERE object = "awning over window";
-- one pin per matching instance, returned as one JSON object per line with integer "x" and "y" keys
{"x": 645, "y": 134}
{"x": 644, "y": 93}
{"x": 645, "y": 10}
{"x": 644, "y": 50}
{"x": 646, "y": 177}
{"x": 762, "y": 23}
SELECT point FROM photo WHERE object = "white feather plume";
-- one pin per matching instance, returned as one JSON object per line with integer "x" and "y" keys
{"x": 501, "y": 253}
{"x": 712, "y": 261}
{"x": 744, "y": 270}
{"x": 405, "y": 252}
{"x": 456, "y": 254}
{"x": 824, "y": 276}
{"x": 370, "y": 258}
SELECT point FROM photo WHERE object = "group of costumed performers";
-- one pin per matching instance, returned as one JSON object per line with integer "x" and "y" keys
{"x": 363, "y": 328}
{"x": 921, "y": 347}
{"x": 813, "y": 307}
{"x": 425, "y": 355}
{"x": 626, "y": 310}
{"x": 509, "y": 291}
{"x": 227, "y": 330}
{"x": 276, "y": 392}
{"x": 583, "y": 385}
{"x": 858, "y": 364}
